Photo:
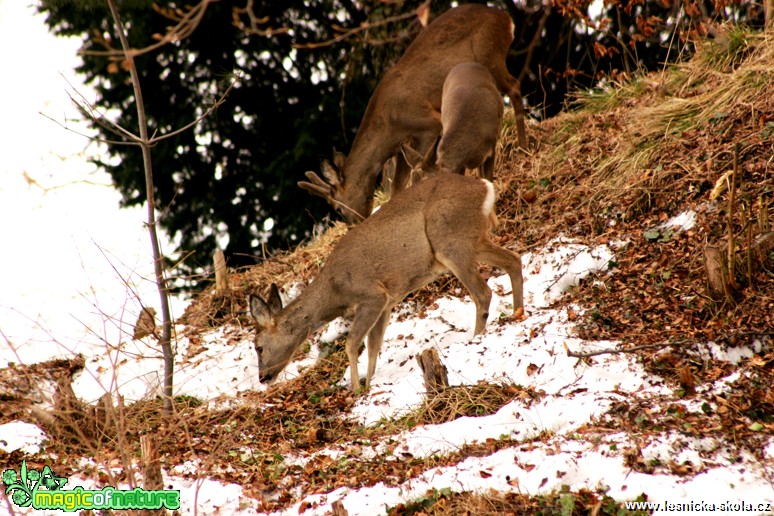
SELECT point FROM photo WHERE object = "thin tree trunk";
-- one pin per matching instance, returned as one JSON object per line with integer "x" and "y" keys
{"x": 151, "y": 470}
{"x": 158, "y": 265}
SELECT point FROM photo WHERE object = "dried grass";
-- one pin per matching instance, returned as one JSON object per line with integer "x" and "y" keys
{"x": 626, "y": 148}
{"x": 481, "y": 399}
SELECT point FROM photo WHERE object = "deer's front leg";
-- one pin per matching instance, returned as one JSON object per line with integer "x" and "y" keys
{"x": 367, "y": 314}
{"x": 375, "y": 339}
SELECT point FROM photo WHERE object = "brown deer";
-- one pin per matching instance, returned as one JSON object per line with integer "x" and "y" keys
{"x": 437, "y": 226}
{"x": 471, "y": 114}
{"x": 406, "y": 105}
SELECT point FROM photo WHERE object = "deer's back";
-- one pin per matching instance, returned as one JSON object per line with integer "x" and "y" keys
{"x": 471, "y": 114}
{"x": 470, "y": 32}
{"x": 393, "y": 249}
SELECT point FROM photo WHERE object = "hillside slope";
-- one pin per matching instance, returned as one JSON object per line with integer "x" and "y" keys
{"x": 640, "y": 167}
{"x": 625, "y": 381}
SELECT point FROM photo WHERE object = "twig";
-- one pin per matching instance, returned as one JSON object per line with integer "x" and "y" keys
{"x": 748, "y": 222}
{"x": 186, "y": 26}
{"x": 621, "y": 350}
{"x": 363, "y": 27}
{"x": 731, "y": 237}
{"x": 536, "y": 39}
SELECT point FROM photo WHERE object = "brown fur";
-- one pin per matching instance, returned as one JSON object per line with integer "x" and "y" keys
{"x": 436, "y": 226}
{"x": 406, "y": 105}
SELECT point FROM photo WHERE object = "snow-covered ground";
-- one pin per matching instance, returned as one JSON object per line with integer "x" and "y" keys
{"x": 530, "y": 352}
{"x": 75, "y": 266}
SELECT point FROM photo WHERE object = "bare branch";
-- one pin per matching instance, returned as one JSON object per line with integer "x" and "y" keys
{"x": 91, "y": 113}
{"x": 419, "y": 12}
{"x": 92, "y": 138}
{"x": 535, "y": 40}
{"x": 255, "y": 21}
{"x": 622, "y": 350}
{"x": 219, "y": 102}
{"x": 187, "y": 24}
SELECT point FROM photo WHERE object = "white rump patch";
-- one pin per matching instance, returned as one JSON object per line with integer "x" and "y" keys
{"x": 489, "y": 200}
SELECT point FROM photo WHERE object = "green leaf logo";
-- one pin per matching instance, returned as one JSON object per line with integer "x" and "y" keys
{"x": 22, "y": 487}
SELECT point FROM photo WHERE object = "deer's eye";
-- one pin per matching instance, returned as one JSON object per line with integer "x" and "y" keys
{"x": 259, "y": 349}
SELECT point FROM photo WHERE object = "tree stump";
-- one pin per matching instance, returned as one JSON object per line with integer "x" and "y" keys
{"x": 435, "y": 373}
{"x": 718, "y": 286}
{"x": 338, "y": 509}
{"x": 104, "y": 416}
{"x": 762, "y": 248}
{"x": 221, "y": 272}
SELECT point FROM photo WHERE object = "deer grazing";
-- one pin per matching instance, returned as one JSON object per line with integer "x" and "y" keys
{"x": 471, "y": 114}
{"x": 406, "y": 105}
{"x": 439, "y": 225}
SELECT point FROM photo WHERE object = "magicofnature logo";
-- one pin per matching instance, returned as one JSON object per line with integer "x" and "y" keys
{"x": 43, "y": 490}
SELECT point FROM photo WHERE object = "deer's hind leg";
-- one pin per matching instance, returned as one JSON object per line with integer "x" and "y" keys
{"x": 453, "y": 227}
{"x": 489, "y": 253}
{"x": 463, "y": 265}
{"x": 486, "y": 170}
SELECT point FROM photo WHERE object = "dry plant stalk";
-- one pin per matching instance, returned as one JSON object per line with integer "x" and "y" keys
{"x": 731, "y": 207}
{"x": 763, "y": 215}
{"x": 748, "y": 224}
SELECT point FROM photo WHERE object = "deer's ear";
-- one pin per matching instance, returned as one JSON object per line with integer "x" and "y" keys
{"x": 259, "y": 311}
{"x": 338, "y": 159}
{"x": 412, "y": 157}
{"x": 274, "y": 301}
{"x": 432, "y": 154}
{"x": 331, "y": 173}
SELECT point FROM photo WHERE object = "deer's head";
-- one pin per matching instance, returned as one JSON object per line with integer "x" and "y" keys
{"x": 274, "y": 346}
{"x": 345, "y": 197}
{"x": 421, "y": 165}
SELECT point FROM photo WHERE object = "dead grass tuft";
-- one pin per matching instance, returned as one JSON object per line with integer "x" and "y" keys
{"x": 481, "y": 399}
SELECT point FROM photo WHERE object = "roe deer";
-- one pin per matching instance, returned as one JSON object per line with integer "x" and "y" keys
{"x": 406, "y": 104}
{"x": 471, "y": 114}
{"x": 439, "y": 225}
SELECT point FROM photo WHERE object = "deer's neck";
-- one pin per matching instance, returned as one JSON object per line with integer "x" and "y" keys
{"x": 376, "y": 141}
{"x": 314, "y": 307}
